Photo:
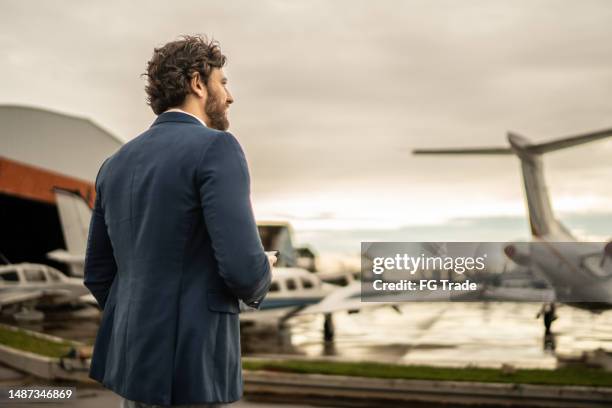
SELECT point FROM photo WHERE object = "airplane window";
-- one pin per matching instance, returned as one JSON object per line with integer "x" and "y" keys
{"x": 340, "y": 281}
{"x": 9, "y": 277}
{"x": 53, "y": 275}
{"x": 35, "y": 275}
{"x": 291, "y": 284}
{"x": 306, "y": 284}
{"x": 274, "y": 287}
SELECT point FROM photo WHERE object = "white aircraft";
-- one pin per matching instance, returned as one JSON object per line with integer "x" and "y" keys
{"x": 579, "y": 273}
{"x": 24, "y": 286}
{"x": 291, "y": 290}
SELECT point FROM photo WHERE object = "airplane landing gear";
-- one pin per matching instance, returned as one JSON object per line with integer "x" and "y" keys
{"x": 328, "y": 328}
{"x": 549, "y": 316}
{"x": 550, "y": 343}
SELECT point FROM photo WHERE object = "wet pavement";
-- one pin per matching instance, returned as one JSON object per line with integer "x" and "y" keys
{"x": 450, "y": 334}
{"x": 455, "y": 334}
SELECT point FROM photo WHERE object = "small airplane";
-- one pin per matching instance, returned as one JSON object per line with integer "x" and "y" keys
{"x": 580, "y": 273}
{"x": 291, "y": 290}
{"x": 24, "y": 286}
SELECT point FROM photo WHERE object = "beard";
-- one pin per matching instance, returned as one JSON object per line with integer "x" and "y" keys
{"x": 216, "y": 111}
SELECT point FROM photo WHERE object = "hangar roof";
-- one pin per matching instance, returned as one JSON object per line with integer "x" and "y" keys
{"x": 62, "y": 143}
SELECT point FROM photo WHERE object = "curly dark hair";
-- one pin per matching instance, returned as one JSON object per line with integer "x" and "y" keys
{"x": 170, "y": 69}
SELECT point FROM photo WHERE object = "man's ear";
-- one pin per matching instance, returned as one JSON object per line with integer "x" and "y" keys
{"x": 197, "y": 85}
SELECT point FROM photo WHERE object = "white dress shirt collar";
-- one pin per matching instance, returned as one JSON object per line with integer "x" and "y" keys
{"x": 187, "y": 113}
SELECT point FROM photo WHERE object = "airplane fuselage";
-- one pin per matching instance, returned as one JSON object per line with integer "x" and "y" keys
{"x": 573, "y": 269}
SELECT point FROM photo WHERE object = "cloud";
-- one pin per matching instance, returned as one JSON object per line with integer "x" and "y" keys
{"x": 332, "y": 96}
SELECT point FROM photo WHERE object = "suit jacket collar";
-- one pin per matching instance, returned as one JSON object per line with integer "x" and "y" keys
{"x": 175, "y": 117}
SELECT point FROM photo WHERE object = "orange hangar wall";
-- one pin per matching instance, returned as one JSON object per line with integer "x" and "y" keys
{"x": 33, "y": 183}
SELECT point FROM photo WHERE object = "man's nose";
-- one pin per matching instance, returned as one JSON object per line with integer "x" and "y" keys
{"x": 230, "y": 98}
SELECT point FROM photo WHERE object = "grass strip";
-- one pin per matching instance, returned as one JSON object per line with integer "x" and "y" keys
{"x": 562, "y": 376}
{"x": 572, "y": 375}
{"x": 22, "y": 340}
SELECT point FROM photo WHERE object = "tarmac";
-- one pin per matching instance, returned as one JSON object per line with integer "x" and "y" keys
{"x": 456, "y": 334}
{"x": 443, "y": 334}
{"x": 90, "y": 396}
{"x": 448, "y": 334}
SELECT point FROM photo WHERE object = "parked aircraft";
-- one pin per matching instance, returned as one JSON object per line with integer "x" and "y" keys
{"x": 291, "y": 290}
{"x": 580, "y": 273}
{"x": 24, "y": 286}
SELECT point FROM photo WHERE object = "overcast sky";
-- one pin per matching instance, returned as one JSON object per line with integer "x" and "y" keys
{"x": 331, "y": 96}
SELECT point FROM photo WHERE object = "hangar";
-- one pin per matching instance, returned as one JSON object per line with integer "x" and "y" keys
{"x": 41, "y": 150}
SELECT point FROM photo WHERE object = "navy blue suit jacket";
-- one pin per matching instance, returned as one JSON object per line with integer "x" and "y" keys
{"x": 172, "y": 247}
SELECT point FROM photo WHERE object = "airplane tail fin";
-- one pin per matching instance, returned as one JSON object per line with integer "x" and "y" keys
{"x": 541, "y": 215}
{"x": 75, "y": 215}
{"x": 520, "y": 143}
{"x": 565, "y": 142}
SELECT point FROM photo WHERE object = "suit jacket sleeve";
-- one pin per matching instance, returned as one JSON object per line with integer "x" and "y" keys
{"x": 224, "y": 188}
{"x": 100, "y": 265}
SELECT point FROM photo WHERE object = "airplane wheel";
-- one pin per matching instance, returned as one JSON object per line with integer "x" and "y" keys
{"x": 549, "y": 316}
{"x": 328, "y": 327}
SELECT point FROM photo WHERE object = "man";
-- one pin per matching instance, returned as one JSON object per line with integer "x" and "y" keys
{"x": 173, "y": 244}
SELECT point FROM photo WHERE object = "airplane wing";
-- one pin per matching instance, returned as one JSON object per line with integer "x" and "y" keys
{"x": 64, "y": 256}
{"x": 89, "y": 298}
{"x": 12, "y": 298}
{"x": 350, "y": 298}
{"x": 51, "y": 295}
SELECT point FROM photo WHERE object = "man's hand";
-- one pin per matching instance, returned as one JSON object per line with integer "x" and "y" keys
{"x": 272, "y": 260}
{"x": 272, "y": 257}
